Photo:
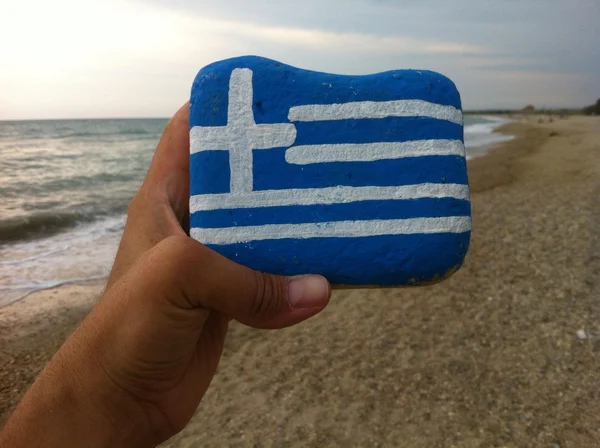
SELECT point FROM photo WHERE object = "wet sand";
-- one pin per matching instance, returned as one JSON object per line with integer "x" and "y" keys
{"x": 504, "y": 353}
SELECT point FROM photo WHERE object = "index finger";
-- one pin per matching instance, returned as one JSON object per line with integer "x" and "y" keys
{"x": 173, "y": 151}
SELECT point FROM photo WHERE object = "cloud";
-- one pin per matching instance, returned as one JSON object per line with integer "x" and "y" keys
{"x": 330, "y": 42}
{"x": 138, "y": 58}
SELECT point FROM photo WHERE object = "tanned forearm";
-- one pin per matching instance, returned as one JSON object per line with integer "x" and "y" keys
{"x": 72, "y": 405}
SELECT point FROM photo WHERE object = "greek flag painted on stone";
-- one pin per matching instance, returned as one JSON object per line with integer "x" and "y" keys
{"x": 362, "y": 179}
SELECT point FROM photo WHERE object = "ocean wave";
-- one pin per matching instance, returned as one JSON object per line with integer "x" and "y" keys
{"x": 51, "y": 284}
{"x": 34, "y": 257}
{"x": 65, "y": 196}
{"x": 83, "y": 253}
{"x": 86, "y": 180}
{"x": 14, "y": 293}
{"x": 58, "y": 135}
{"x": 124, "y": 132}
{"x": 38, "y": 225}
{"x": 481, "y": 135}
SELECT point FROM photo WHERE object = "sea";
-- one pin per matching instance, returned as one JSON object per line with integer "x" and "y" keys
{"x": 64, "y": 190}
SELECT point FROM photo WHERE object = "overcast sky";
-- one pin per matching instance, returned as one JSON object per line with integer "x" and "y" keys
{"x": 118, "y": 58}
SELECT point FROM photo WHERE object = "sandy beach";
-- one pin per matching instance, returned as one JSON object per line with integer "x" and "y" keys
{"x": 506, "y": 353}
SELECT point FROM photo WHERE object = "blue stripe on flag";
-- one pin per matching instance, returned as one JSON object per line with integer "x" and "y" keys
{"x": 385, "y": 129}
{"x": 420, "y": 257}
{"x": 398, "y": 209}
{"x": 272, "y": 172}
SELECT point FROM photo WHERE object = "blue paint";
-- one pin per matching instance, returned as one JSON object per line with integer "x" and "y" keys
{"x": 213, "y": 180}
{"x": 382, "y": 130}
{"x": 272, "y": 172}
{"x": 422, "y": 208}
{"x": 387, "y": 260}
{"x": 390, "y": 260}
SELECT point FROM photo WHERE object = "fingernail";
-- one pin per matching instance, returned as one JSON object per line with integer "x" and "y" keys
{"x": 308, "y": 291}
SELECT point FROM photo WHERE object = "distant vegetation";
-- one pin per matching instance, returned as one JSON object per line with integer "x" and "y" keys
{"x": 594, "y": 109}
{"x": 525, "y": 111}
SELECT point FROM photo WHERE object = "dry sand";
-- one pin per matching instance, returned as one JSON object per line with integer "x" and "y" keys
{"x": 505, "y": 353}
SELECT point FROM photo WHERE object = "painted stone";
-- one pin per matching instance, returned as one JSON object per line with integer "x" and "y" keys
{"x": 362, "y": 179}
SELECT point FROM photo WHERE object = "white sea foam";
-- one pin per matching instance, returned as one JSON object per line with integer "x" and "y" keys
{"x": 83, "y": 254}
{"x": 480, "y": 135}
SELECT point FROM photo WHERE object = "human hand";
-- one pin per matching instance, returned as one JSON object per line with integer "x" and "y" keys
{"x": 136, "y": 369}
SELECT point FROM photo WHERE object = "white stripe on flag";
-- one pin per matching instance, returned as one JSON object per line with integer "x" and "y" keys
{"x": 374, "y": 109}
{"x": 329, "y": 195}
{"x": 340, "y": 229}
{"x": 261, "y": 136}
{"x": 368, "y": 152}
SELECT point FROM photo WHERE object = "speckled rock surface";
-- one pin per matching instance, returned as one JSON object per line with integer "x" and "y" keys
{"x": 359, "y": 178}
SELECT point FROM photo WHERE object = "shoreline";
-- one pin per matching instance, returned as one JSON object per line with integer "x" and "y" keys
{"x": 481, "y": 151}
{"x": 491, "y": 355}
{"x": 100, "y": 280}
{"x": 526, "y": 139}
{"x": 59, "y": 299}
{"x": 476, "y": 142}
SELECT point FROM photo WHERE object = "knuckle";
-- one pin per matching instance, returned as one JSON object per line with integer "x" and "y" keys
{"x": 168, "y": 263}
{"x": 185, "y": 257}
{"x": 268, "y": 296}
{"x": 177, "y": 247}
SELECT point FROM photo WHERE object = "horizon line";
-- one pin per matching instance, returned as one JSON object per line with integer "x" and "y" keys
{"x": 12, "y": 120}
{"x": 488, "y": 110}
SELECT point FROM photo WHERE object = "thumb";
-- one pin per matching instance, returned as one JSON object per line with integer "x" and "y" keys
{"x": 205, "y": 279}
